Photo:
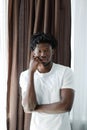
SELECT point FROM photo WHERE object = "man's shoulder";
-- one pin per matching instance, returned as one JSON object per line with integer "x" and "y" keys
{"x": 61, "y": 67}
{"x": 23, "y": 78}
{"x": 63, "y": 70}
{"x": 24, "y": 73}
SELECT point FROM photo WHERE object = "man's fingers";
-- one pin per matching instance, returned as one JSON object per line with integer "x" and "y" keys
{"x": 38, "y": 59}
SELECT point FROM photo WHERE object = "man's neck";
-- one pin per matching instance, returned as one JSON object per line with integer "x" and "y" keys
{"x": 45, "y": 68}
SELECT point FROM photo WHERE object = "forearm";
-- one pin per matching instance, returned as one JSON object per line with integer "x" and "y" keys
{"x": 64, "y": 105}
{"x": 28, "y": 121}
{"x": 53, "y": 108}
{"x": 29, "y": 100}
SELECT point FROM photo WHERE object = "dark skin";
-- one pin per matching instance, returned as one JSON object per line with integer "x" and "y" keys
{"x": 41, "y": 60}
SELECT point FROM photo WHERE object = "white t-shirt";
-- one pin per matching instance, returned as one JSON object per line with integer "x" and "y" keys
{"x": 47, "y": 88}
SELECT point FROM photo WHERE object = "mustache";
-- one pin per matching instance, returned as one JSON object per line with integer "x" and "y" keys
{"x": 40, "y": 57}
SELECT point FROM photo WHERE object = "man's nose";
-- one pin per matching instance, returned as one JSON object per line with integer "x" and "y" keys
{"x": 43, "y": 53}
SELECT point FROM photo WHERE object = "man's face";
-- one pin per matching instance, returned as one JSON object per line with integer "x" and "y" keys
{"x": 44, "y": 52}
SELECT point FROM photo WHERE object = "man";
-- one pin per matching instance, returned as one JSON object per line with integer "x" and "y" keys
{"x": 47, "y": 88}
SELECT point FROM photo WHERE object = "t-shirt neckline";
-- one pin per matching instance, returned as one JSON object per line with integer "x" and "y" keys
{"x": 47, "y": 73}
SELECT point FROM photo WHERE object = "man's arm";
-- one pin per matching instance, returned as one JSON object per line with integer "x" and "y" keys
{"x": 27, "y": 121}
{"x": 65, "y": 104}
{"x": 27, "y": 116}
{"x": 29, "y": 101}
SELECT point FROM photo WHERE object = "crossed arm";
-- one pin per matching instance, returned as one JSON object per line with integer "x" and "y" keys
{"x": 30, "y": 103}
{"x": 29, "y": 100}
{"x": 64, "y": 105}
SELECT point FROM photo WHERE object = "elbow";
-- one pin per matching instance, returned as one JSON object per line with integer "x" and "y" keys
{"x": 27, "y": 110}
{"x": 25, "y": 107}
{"x": 28, "y": 107}
{"x": 29, "y": 104}
{"x": 67, "y": 107}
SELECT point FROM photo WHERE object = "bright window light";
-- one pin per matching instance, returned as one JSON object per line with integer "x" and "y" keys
{"x": 3, "y": 62}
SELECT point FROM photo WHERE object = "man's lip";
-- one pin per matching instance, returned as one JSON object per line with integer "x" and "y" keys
{"x": 43, "y": 59}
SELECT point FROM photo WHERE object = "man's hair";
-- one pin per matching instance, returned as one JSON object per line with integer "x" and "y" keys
{"x": 42, "y": 38}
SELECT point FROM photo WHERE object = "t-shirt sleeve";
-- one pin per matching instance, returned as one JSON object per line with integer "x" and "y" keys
{"x": 23, "y": 83}
{"x": 68, "y": 78}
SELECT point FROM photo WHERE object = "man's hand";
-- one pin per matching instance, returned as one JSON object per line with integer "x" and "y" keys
{"x": 34, "y": 62}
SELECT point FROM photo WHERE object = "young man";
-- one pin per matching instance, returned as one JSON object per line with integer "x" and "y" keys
{"x": 47, "y": 88}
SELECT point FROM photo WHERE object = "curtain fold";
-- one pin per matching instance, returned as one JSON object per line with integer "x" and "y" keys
{"x": 12, "y": 70}
{"x": 26, "y": 17}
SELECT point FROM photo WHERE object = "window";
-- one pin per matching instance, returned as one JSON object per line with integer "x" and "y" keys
{"x": 3, "y": 62}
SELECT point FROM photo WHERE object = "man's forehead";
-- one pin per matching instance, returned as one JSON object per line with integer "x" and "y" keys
{"x": 40, "y": 45}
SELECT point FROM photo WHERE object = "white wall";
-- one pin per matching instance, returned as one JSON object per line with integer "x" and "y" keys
{"x": 3, "y": 61}
{"x": 79, "y": 62}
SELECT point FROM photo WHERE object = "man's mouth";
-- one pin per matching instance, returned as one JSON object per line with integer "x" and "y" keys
{"x": 43, "y": 59}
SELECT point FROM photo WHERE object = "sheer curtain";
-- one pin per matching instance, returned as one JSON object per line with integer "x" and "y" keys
{"x": 79, "y": 63}
{"x": 3, "y": 62}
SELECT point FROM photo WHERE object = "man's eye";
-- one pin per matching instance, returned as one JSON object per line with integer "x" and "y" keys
{"x": 39, "y": 51}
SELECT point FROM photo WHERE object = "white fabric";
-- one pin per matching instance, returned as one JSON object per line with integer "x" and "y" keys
{"x": 47, "y": 87}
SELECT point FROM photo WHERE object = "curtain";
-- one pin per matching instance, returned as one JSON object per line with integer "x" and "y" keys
{"x": 26, "y": 17}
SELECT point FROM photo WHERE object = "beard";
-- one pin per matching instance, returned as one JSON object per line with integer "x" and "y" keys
{"x": 45, "y": 64}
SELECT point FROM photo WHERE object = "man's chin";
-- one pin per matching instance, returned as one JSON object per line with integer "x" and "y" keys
{"x": 45, "y": 63}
